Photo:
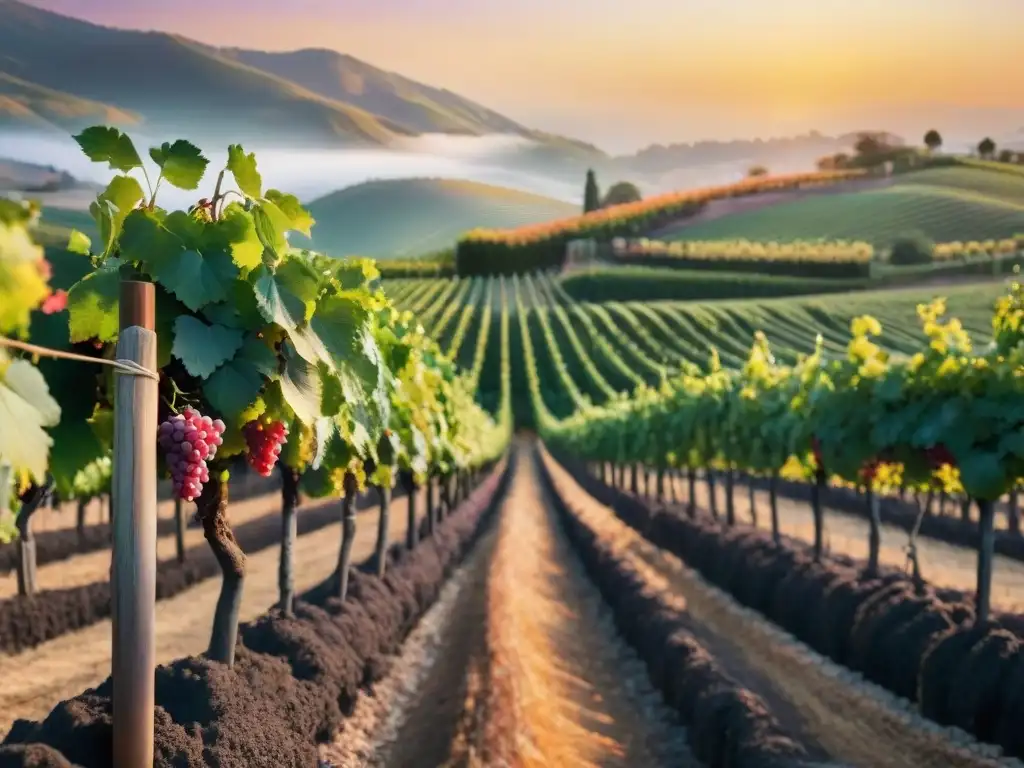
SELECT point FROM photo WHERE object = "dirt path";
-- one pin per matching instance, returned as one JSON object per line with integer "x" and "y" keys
{"x": 518, "y": 665}
{"x": 580, "y": 696}
{"x": 941, "y": 563}
{"x": 851, "y": 721}
{"x": 424, "y": 711}
{"x": 33, "y": 681}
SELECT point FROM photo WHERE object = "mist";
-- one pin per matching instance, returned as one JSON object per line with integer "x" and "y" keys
{"x": 312, "y": 173}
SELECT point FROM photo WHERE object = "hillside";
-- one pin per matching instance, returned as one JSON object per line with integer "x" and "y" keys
{"x": 27, "y": 105}
{"x": 57, "y": 71}
{"x": 410, "y": 217}
{"x": 945, "y": 204}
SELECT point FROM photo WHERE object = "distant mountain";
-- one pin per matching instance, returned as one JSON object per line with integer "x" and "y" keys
{"x": 57, "y": 71}
{"x": 776, "y": 153}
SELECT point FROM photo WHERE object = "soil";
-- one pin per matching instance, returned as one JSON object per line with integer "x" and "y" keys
{"x": 844, "y": 720}
{"x": 33, "y": 681}
{"x": 943, "y": 564}
{"x": 532, "y": 672}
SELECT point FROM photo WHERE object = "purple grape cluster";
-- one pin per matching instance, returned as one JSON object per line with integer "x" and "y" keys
{"x": 189, "y": 439}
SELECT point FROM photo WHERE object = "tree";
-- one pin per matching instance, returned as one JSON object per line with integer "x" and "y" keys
{"x": 1007, "y": 156}
{"x": 933, "y": 140}
{"x": 622, "y": 192}
{"x": 868, "y": 145}
{"x": 757, "y": 170}
{"x": 591, "y": 193}
{"x": 986, "y": 147}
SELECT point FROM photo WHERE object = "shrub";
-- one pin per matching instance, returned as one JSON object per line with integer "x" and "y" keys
{"x": 913, "y": 248}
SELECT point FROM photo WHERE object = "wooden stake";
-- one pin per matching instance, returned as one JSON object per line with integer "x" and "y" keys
{"x": 133, "y": 519}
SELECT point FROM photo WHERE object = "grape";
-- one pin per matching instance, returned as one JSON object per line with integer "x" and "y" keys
{"x": 264, "y": 439}
{"x": 189, "y": 439}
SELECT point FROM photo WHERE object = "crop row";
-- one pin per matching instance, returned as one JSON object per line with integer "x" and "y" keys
{"x": 921, "y": 643}
{"x": 542, "y": 246}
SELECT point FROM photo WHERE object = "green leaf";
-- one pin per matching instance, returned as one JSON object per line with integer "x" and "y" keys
{"x": 93, "y": 304}
{"x": 201, "y": 347}
{"x": 26, "y": 407}
{"x": 193, "y": 279}
{"x": 103, "y": 144}
{"x": 182, "y": 163}
{"x": 243, "y": 168}
{"x": 983, "y": 475}
{"x": 256, "y": 351}
{"x": 269, "y": 235}
{"x": 233, "y": 387}
{"x": 276, "y": 304}
{"x": 79, "y": 243}
{"x": 238, "y": 231}
{"x": 74, "y": 445}
{"x": 300, "y": 386}
{"x": 293, "y": 215}
{"x": 338, "y": 321}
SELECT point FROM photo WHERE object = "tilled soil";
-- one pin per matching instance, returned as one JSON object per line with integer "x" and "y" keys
{"x": 942, "y": 564}
{"x": 88, "y": 567}
{"x": 519, "y": 664}
{"x": 33, "y": 681}
{"x": 848, "y": 720}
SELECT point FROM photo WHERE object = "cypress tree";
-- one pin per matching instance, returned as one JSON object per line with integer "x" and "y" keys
{"x": 591, "y": 194}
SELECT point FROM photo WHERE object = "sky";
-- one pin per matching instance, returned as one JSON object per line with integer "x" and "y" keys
{"x": 627, "y": 73}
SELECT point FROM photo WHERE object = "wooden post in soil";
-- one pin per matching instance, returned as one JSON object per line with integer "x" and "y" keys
{"x": 133, "y": 520}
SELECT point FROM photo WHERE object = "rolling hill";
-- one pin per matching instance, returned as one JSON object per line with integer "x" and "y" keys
{"x": 944, "y": 204}
{"x": 57, "y": 71}
{"x": 412, "y": 217}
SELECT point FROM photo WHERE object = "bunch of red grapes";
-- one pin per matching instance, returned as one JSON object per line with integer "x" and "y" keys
{"x": 189, "y": 439}
{"x": 264, "y": 441}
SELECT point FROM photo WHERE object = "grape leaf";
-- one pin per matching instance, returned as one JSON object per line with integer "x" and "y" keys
{"x": 243, "y": 167}
{"x": 299, "y": 282}
{"x": 201, "y": 347}
{"x": 182, "y": 163}
{"x": 26, "y": 407}
{"x": 233, "y": 387}
{"x": 293, "y": 215}
{"x": 271, "y": 302}
{"x": 93, "y": 304}
{"x": 256, "y": 351}
{"x": 79, "y": 243}
{"x": 238, "y": 232}
{"x": 74, "y": 445}
{"x": 337, "y": 322}
{"x": 300, "y": 386}
{"x": 983, "y": 475}
{"x": 103, "y": 144}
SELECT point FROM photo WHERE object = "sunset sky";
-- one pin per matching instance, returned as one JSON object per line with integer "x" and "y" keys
{"x": 624, "y": 73}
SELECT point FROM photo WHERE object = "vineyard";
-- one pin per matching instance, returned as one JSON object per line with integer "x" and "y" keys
{"x": 495, "y": 519}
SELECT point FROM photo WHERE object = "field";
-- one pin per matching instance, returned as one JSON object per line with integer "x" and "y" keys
{"x": 945, "y": 204}
{"x": 412, "y": 217}
{"x": 578, "y": 524}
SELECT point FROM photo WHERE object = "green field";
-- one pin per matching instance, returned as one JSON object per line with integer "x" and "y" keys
{"x": 411, "y": 217}
{"x": 945, "y": 204}
{"x": 590, "y": 351}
